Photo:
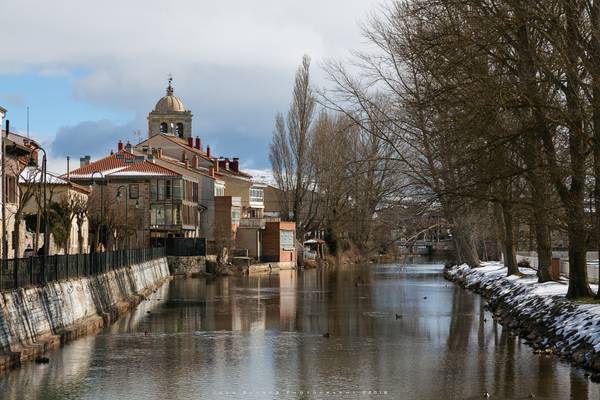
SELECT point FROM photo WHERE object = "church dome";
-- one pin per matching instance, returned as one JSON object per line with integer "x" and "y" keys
{"x": 170, "y": 103}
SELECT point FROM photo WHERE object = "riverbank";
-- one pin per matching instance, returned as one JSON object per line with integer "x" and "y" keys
{"x": 538, "y": 313}
{"x": 37, "y": 319}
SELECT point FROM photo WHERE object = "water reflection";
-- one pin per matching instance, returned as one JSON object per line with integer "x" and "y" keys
{"x": 263, "y": 335}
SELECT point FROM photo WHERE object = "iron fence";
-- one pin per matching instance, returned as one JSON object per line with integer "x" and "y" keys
{"x": 23, "y": 272}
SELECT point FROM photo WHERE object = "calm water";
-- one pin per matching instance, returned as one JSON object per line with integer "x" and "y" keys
{"x": 262, "y": 337}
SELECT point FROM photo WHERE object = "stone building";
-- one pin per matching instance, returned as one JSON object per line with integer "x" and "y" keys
{"x": 140, "y": 200}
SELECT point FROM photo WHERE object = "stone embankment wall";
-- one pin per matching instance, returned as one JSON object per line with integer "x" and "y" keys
{"x": 36, "y": 319}
{"x": 551, "y": 324}
{"x": 189, "y": 266}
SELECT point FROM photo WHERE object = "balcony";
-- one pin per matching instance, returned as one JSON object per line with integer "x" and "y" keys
{"x": 256, "y": 223}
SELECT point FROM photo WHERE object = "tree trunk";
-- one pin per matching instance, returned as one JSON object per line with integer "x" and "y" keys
{"x": 595, "y": 73}
{"x": 38, "y": 225}
{"x": 510, "y": 255}
{"x": 578, "y": 279}
{"x": 544, "y": 250}
{"x": 463, "y": 243}
{"x": 16, "y": 237}
{"x": 79, "y": 236}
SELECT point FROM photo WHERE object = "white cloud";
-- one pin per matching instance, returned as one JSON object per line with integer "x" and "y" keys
{"x": 233, "y": 61}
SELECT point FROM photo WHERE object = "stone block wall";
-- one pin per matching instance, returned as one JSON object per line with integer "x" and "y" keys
{"x": 32, "y": 320}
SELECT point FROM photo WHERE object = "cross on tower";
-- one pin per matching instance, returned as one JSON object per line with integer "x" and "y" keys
{"x": 170, "y": 87}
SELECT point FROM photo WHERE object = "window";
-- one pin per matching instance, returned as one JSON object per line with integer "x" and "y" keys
{"x": 153, "y": 189}
{"x": 134, "y": 191}
{"x": 11, "y": 189}
{"x": 161, "y": 190}
{"x": 179, "y": 129}
{"x": 219, "y": 191}
{"x": 286, "y": 240}
{"x": 177, "y": 195}
{"x": 167, "y": 189}
{"x": 256, "y": 194}
{"x": 235, "y": 216}
{"x": 163, "y": 127}
{"x": 195, "y": 192}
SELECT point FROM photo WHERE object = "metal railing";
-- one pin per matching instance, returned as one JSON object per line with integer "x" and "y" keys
{"x": 23, "y": 272}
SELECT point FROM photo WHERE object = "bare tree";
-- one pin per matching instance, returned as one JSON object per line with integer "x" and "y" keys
{"x": 291, "y": 149}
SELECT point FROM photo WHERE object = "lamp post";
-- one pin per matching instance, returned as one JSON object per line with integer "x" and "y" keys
{"x": 126, "y": 208}
{"x": 33, "y": 164}
{"x": 101, "y": 202}
{"x": 4, "y": 233}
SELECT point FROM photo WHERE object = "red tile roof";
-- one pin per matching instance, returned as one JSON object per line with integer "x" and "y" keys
{"x": 116, "y": 165}
{"x": 144, "y": 168}
{"x": 115, "y": 161}
{"x": 182, "y": 143}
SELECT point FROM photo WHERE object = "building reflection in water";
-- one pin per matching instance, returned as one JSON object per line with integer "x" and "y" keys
{"x": 199, "y": 338}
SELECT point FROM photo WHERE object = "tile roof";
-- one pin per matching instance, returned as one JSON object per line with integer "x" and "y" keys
{"x": 145, "y": 168}
{"x": 35, "y": 177}
{"x": 117, "y": 164}
{"x": 184, "y": 143}
{"x": 20, "y": 140}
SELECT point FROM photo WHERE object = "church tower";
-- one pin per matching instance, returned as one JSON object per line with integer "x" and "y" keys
{"x": 170, "y": 117}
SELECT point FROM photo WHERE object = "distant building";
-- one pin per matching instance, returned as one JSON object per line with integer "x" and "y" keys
{"x": 59, "y": 191}
{"x": 140, "y": 199}
{"x": 18, "y": 152}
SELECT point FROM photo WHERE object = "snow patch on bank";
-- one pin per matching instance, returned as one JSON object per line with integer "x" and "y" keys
{"x": 538, "y": 312}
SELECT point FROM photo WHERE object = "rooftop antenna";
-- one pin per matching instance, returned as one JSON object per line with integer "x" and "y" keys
{"x": 28, "y": 122}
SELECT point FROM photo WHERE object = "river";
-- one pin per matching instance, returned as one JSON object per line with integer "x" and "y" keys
{"x": 263, "y": 337}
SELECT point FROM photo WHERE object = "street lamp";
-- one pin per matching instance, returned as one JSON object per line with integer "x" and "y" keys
{"x": 33, "y": 164}
{"x": 126, "y": 210}
{"x": 100, "y": 230}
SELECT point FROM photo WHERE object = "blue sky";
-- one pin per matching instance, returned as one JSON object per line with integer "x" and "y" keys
{"x": 91, "y": 71}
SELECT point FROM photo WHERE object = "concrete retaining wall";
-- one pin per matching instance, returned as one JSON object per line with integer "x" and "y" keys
{"x": 36, "y": 319}
{"x": 272, "y": 266}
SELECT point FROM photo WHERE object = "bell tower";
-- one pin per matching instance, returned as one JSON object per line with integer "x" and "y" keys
{"x": 170, "y": 116}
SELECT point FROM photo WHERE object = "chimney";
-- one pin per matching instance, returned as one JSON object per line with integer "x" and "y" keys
{"x": 191, "y": 141}
{"x": 235, "y": 164}
{"x": 184, "y": 156}
{"x": 195, "y": 162}
{"x": 208, "y": 151}
{"x": 84, "y": 161}
{"x": 216, "y": 165}
{"x": 159, "y": 152}
{"x": 223, "y": 163}
{"x": 198, "y": 143}
{"x": 128, "y": 146}
{"x": 120, "y": 146}
{"x": 211, "y": 171}
{"x": 187, "y": 164}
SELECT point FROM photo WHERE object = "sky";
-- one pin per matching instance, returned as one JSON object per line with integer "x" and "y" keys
{"x": 91, "y": 71}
